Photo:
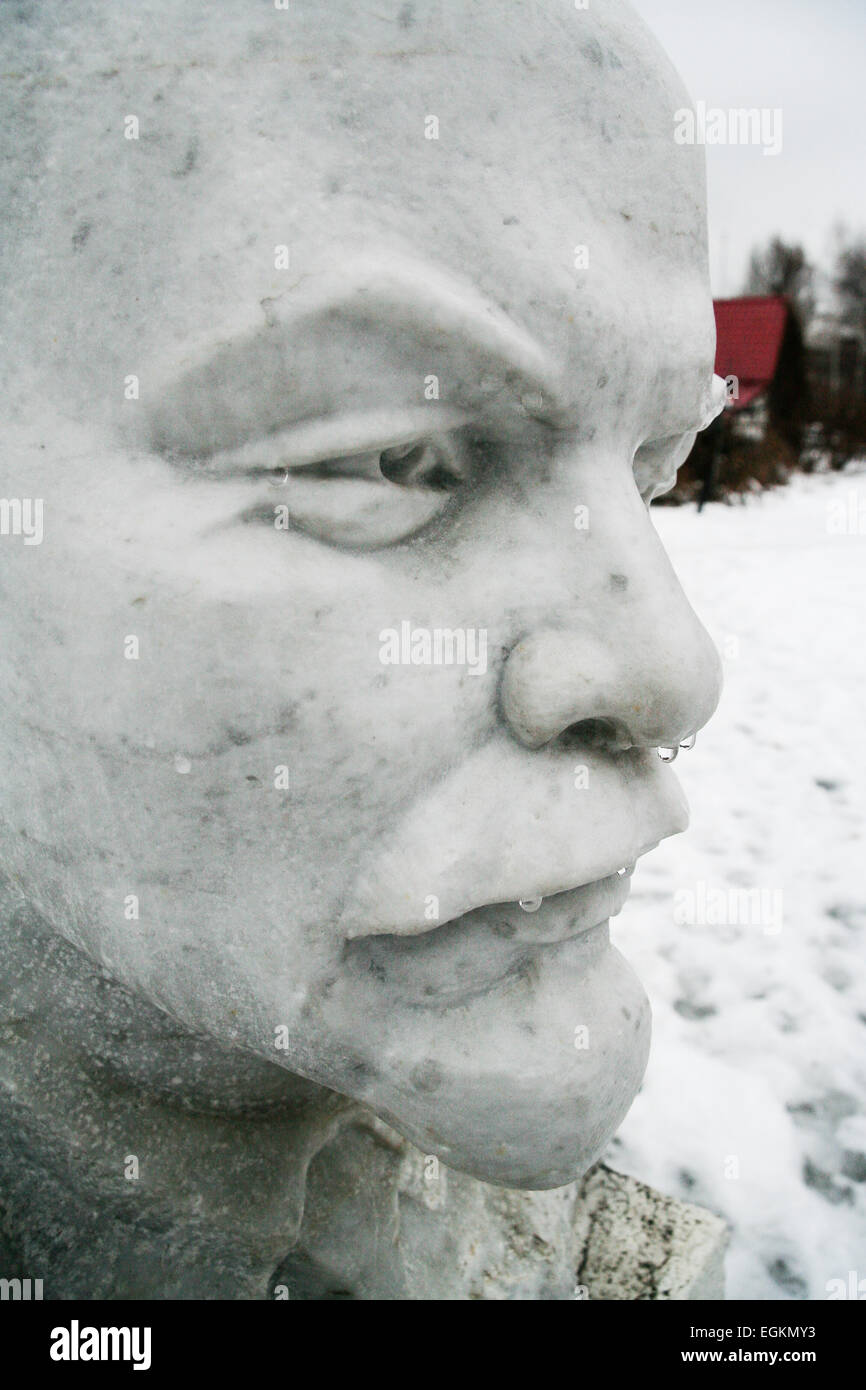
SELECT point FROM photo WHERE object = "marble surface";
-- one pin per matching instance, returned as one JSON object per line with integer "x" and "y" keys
{"x": 328, "y": 324}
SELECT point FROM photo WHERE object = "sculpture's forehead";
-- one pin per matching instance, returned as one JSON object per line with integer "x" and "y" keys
{"x": 530, "y": 150}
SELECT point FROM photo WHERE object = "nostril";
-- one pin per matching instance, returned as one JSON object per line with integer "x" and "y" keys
{"x": 609, "y": 734}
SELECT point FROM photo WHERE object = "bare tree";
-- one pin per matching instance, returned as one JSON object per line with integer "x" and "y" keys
{"x": 850, "y": 283}
{"x": 782, "y": 268}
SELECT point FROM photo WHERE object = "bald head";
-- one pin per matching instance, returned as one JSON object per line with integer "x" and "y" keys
{"x": 321, "y": 319}
{"x": 160, "y": 154}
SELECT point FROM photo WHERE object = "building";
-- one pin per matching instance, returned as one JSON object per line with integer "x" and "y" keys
{"x": 757, "y": 344}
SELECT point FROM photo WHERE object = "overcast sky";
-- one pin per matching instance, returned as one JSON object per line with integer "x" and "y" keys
{"x": 807, "y": 57}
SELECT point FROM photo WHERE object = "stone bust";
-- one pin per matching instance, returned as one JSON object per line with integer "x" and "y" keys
{"x": 345, "y": 346}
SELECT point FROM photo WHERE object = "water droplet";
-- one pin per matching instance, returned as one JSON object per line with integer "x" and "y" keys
{"x": 279, "y": 477}
{"x": 181, "y": 764}
{"x": 667, "y": 755}
{"x": 623, "y": 870}
{"x": 531, "y": 904}
{"x": 689, "y": 742}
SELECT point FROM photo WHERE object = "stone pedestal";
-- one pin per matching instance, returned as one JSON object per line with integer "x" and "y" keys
{"x": 384, "y": 1221}
{"x": 638, "y": 1243}
{"x": 365, "y": 1216}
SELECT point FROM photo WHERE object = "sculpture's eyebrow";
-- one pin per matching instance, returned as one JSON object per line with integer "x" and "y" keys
{"x": 346, "y": 343}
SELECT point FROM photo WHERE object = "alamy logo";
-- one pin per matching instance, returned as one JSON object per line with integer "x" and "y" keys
{"x": 853, "y": 1287}
{"x": 76, "y": 1343}
{"x": 20, "y": 1290}
{"x": 439, "y": 646}
{"x": 848, "y": 517}
{"x": 707, "y": 905}
{"x": 22, "y": 516}
{"x": 737, "y": 126}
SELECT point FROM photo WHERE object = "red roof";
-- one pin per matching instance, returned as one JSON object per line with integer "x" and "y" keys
{"x": 749, "y": 335}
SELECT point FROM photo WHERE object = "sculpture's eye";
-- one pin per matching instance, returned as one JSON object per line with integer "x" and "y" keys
{"x": 423, "y": 464}
{"x": 365, "y": 499}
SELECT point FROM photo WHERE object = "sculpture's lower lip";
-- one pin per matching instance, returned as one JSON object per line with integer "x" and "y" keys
{"x": 477, "y": 953}
{"x": 557, "y": 917}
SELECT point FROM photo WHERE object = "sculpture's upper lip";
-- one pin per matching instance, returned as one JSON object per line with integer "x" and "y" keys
{"x": 554, "y": 897}
{"x": 560, "y": 900}
{"x": 507, "y": 825}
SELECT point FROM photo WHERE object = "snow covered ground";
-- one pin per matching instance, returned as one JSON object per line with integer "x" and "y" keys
{"x": 754, "y": 1104}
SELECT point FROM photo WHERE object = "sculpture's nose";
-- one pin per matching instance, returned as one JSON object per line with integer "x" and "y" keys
{"x": 633, "y": 667}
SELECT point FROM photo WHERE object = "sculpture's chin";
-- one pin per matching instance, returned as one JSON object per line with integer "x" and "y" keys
{"x": 524, "y": 1083}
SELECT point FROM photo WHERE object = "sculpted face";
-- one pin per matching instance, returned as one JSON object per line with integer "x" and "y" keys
{"x": 430, "y": 419}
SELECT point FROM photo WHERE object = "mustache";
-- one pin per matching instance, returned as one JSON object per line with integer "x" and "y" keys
{"x": 511, "y": 823}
